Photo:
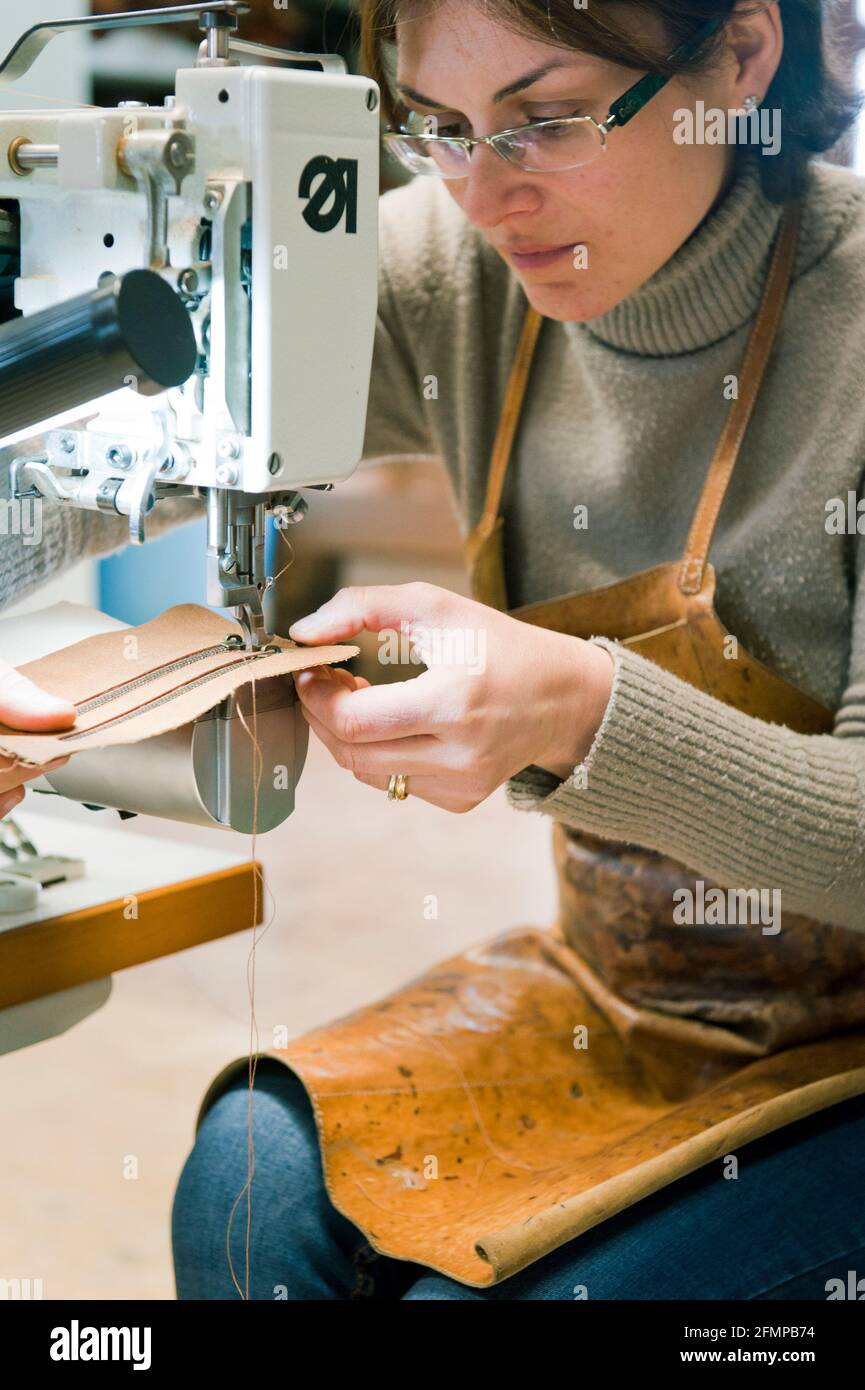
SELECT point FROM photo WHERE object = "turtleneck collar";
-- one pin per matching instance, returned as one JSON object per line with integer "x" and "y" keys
{"x": 712, "y": 285}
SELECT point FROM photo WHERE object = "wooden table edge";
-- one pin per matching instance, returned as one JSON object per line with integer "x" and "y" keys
{"x": 41, "y": 958}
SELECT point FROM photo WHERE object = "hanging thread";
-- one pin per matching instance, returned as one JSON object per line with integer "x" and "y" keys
{"x": 246, "y": 1190}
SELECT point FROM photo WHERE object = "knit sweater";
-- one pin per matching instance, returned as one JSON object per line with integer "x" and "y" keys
{"x": 622, "y": 415}
{"x": 68, "y": 534}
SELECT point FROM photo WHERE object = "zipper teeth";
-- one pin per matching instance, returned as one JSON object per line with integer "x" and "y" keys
{"x": 162, "y": 700}
{"x": 119, "y": 690}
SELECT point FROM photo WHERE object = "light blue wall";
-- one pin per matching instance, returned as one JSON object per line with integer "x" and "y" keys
{"x": 143, "y": 580}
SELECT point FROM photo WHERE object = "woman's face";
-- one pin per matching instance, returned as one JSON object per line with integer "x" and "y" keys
{"x": 631, "y": 209}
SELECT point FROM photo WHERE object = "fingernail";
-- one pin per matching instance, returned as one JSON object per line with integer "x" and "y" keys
{"x": 306, "y": 627}
{"x": 44, "y": 703}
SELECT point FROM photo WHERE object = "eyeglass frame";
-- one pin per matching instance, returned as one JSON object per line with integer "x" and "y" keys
{"x": 621, "y": 111}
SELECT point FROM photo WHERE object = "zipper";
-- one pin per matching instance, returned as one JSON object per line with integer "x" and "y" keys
{"x": 229, "y": 645}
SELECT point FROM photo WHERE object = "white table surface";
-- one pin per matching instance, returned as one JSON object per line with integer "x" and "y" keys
{"x": 117, "y": 864}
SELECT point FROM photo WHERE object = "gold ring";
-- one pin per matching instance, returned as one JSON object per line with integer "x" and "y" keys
{"x": 397, "y": 789}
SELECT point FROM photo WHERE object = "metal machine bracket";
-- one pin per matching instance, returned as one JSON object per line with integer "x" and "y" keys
{"x": 216, "y": 18}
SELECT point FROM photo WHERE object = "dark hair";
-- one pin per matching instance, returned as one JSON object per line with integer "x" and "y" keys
{"x": 817, "y": 106}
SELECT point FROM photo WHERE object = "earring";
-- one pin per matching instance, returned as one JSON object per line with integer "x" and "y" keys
{"x": 751, "y": 104}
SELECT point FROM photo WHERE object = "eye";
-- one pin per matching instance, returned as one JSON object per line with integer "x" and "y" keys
{"x": 429, "y": 123}
{"x": 554, "y": 116}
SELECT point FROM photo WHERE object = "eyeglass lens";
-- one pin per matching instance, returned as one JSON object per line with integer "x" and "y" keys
{"x": 554, "y": 145}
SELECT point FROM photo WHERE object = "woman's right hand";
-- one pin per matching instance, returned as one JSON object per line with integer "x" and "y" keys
{"x": 24, "y": 706}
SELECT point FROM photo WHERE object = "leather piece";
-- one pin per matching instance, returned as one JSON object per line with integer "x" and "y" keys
{"x": 750, "y": 379}
{"x": 104, "y": 663}
{"x": 616, "y": 910}
{"x": 509, "y": 420}
{"x": 681, "y": 633}
{"x": 486, "y": 564}
{"x": 471, "y": 1073}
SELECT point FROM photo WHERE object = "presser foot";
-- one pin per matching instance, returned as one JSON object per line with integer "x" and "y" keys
{"x": 251, "y": 619}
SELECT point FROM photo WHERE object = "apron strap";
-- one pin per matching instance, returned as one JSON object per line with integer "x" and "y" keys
{"x": 756, "y": 358}
{"x": 757, "y": 355}
{"x": 509, "y": 419}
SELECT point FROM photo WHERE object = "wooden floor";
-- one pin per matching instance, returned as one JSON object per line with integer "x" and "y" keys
{"x": 349, "y": 873}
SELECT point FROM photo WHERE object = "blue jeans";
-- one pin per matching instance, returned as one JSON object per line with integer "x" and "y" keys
{"x": 792, "y": 1219}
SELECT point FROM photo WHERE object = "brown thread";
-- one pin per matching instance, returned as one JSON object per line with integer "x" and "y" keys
{"x": 258, "y": 765}
{"x": 284, "y": 537}
{"x": 52, "y": 100}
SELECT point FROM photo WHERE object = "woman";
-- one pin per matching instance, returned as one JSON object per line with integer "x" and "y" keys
{"x": 689, "y": 299}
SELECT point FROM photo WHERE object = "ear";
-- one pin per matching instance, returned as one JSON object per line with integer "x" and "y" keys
{"x": 755, "y": 45}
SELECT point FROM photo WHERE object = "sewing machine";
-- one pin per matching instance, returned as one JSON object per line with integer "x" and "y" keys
{"x": 252, "y": 194}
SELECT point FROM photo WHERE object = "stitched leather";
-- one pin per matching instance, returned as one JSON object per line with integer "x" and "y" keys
{"x": 111, "y": 661}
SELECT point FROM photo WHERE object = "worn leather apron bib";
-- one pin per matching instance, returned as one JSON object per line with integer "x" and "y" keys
{"x": 530, "y": 1088}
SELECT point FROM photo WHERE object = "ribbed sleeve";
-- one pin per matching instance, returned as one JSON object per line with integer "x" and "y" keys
{"x": 742, "y": 802}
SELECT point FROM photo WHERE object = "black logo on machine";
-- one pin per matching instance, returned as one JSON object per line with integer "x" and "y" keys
{"x": 338, "y": 182}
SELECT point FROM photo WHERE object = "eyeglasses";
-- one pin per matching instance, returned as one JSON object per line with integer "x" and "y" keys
{"x": 545, "y": 146}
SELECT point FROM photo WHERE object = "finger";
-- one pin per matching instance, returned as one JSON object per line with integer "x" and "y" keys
{"x": 27, "y": 774}
{"x": 337, "y": 675}
{"x": 340, "y": 676}
{"x": 419, "y": 756}
{"x": 399, "y": 709}
{"x": 347, "y": 678}
{"x": 429, "y": 789}
{"x": 370, "y": 609}
{"x": 9, "y": 800}
{"x": 9, "y": 764}
{"x": 351, "y": 682}
{"x": 14, "y": 774}
{"x": 24, "y": 706}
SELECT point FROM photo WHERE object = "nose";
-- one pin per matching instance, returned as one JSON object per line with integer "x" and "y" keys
{"x": 489, "y": 188}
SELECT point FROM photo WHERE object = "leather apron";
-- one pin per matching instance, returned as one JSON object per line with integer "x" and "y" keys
{"x": 527, "y": 1089}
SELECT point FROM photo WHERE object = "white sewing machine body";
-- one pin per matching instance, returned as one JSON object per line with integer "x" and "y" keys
{"x": 253, "y": 193}
{"x": 284, "y": 305}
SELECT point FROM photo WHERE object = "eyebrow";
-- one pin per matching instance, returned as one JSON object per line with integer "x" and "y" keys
{"x": 512, "y": 88}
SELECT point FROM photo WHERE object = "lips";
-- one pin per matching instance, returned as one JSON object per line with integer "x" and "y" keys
{"x": 528, "y": 250}
{"x": 522, "y": 259}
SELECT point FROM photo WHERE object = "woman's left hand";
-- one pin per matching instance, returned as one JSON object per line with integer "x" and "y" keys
{"x": 498, "y": 694}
